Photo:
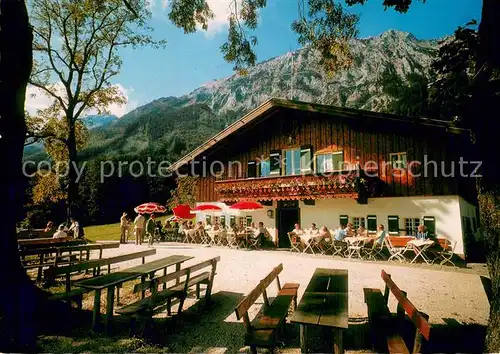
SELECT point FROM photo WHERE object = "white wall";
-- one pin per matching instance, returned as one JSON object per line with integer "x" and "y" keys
{"x": 446, "y": 210}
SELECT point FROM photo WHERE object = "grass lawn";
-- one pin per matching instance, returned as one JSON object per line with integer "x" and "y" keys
{"x": 110, "y": 232}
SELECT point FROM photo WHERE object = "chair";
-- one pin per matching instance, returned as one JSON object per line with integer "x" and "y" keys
{"x": 294, "y": 243}
{"x": 223, "y": 238}
{"x": 374, "y": 249}
{"x": 212, "y": 238}
{"x": 447, "y": 251}
{"x": 232, "y": 241}
{"x": 355, "y": 249}
{"x": 396, "y": 247}
{"x": 253, "y": 242}
{"x": 202, "y": 235}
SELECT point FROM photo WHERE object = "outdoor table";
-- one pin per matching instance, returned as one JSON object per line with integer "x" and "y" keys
{"x": 325, "y": 304}
{"x": 111, "y": 280}
{"x": 356, "y": 243}
{"x": 419, "y": 247}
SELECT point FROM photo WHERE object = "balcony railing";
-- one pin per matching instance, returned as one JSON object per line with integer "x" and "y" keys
{"x": 340, "y": 184}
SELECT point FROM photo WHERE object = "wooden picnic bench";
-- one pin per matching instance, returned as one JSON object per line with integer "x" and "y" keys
{"x": 115, "y": 280}
{"x": 387, "y": 333}
{"x": 48, "y": 242}
{"x": 265, "y": 329}
{"x": 324, "y": 304}
{"x": 54, "y": 256}
{"x": 94, "y": 264}
{"x": 145, "y": 308}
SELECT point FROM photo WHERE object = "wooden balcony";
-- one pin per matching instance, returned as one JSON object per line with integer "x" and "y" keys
{"x": 344, "y": 184}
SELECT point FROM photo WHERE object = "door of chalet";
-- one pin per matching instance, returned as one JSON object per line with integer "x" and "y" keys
{"x": 288, "y": 214}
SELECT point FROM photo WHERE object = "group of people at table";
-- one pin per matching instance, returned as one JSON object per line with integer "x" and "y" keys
{"x": 324, "y": 235}
{"x": 241, "y": 232}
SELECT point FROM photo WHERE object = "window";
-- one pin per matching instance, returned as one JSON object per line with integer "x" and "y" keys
{"x": 309, "y": 202}
{"x": 305, "y": 160}
{"x": 216, "y": 220}
{"x": 223, "y": 220}
{"x": 398, "y": 160}
{"x": 248, "y": 220}
{"x": 208, "y": 219}
{"x": 358, "y": 221}
{"x": 329, "y": 162}
{"x": 393, "y": 224}
{"x": 265, "y": 168}
{"x": 232, "y": 220}
{"x": 372, "y": 223}
{"x": 252, "y": 169}
{"x": 344, "y": 219}
{"x": 430, "y": 224}
{"x": 275, "y": 163}
{"x": 292, "y": 162}
{"x": 234, "y": 170}
{"x": 411, "y": 225}
{"x": 266, "y": 202}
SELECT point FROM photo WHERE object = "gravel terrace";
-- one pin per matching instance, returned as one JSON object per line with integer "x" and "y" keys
{"x": 453, "y": 298}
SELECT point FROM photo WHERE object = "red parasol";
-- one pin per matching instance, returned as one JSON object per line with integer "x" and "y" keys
{"x": 150, "y": 208}
{"x": 183, "y": 211}
{"x": 207, "y": 208}
{"x": 246, "y": 206}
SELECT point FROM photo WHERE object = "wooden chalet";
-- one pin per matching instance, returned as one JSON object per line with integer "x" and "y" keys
{"x": 315, "y": 163}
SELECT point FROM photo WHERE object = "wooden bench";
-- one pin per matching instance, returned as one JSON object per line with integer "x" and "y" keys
{"x": 145, "y": 308}
{"x": 386, "y": 330}
{"x": 54, "y": 256}
{"x": 265, "y": 329}
{"x": 204, "y": 278}
{"x": 77, "y": 294}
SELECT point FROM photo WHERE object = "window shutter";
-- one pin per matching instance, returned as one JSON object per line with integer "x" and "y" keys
{"x": 252, "y": 169}
{"x": 249, "y": 220}
{"x": 232, "y": 220}
{"x": 430, "y": 224}
{"x": 372, "y": 223}
{"x": 208, "y": 218}
{"x": 306, "y": 162}
{"x": 393, "y": 223}
{"x": 344, "y": 219}
{"x": 223, "y": 220}
{"x": 275, "y": 162}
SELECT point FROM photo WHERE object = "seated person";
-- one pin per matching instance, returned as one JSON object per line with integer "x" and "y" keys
{"x": 260, "y": 233}
{"x": 314, "y": 229}
{"x": 61, "y": 232}
{"x": 216, "y": 227}
{"x": 190, "y": 225}
{"x": 361, "y": 232}
{"x": 422, "y": 233}
{"x": 379, "y": 238}
{"x": 322, "y": 234}
{"x": 297, "y": 230}
{"x": 199, "y": 226}
{"x": 340, "y": 233}
{"x": 350, "y": 230}
{"x": 49, "y": 227}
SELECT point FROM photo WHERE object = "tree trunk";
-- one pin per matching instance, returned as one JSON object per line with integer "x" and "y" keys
{"x": 484, "y": 108}
{"x": 72, "y": 200}
{"x": 17, "y": 299}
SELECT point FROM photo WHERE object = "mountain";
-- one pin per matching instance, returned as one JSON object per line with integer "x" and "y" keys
{"x": 97, "y": 121}
{"x": 172, "y": 126}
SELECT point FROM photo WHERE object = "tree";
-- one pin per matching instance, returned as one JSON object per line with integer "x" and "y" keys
{"x": 15, "y": 68}
{"x": 76, "y": 55}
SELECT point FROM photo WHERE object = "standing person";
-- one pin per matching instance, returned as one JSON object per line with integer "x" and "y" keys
{"x": 74, "y": 228}
{"x": 123, "y": 228}
{"x": 150, "y": 229}
{"x": 139, "y": 228}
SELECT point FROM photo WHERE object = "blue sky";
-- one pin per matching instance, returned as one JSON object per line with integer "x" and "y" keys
{"x": 191, "y": 60}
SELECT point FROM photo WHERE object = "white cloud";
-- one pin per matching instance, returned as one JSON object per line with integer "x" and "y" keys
{"x": 121, "y": 110}
{"x": 36, "y": 99}
{"x": 221, "y": 10}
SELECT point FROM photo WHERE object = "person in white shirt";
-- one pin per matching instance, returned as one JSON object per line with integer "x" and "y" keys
{"x": 314, "y": 229}
{"x": 74, "y": 228}
{"x": 60, "y": 233}
{"x": 139, "y": 228}
{"x": 123, "y": 227}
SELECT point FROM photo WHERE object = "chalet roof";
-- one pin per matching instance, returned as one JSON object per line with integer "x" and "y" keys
{"x": 277, "y": 103}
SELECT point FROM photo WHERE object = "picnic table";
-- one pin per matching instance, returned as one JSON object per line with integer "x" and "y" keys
{"x": 419, "y": 247}
{"x": 325, "y": 304}
{"x": 111, "y": 280}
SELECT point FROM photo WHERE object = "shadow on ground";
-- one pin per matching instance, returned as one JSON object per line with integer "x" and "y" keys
{"x": 203, "y": 328}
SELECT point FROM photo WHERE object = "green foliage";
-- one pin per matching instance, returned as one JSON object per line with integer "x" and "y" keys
{"x": 187, "y": 14}
{"x": 409, "y": 97}
{"x": 185, "y": 192}
{"x": 328, "y": 27}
